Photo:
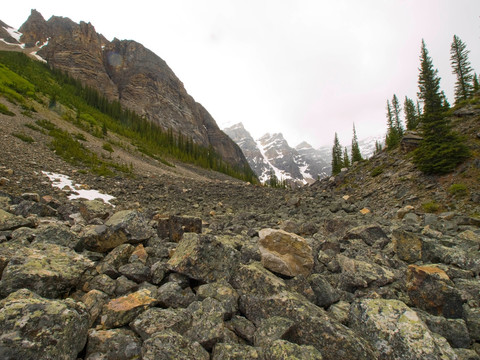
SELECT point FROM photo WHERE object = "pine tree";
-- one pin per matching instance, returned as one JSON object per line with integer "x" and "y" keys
{"x": 441, "y": 149}
{"x": 393, "y": 137}
{"x": 396, "y": 109}
{"x": 461, "y": 68}
{"x": 337, "y": 161}
{"x": 411, "y": 115}
{"x": 356, "y": 154}
{"x": 378, "y": 146}
{"x": 476, "y": 86}
{"x": 346, "y": 160}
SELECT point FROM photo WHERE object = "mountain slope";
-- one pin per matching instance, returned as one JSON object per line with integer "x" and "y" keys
{"x": 125, "y": 71}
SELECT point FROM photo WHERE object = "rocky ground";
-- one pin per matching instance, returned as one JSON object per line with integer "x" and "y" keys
{"x": 190, "y": 264}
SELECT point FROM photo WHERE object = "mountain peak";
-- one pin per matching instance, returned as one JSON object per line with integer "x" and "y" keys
{"x": 304, "y": 146}
{"x": 34, "y": 30}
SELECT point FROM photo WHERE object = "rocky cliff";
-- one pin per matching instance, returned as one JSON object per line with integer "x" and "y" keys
{"x": 126, "y": 71}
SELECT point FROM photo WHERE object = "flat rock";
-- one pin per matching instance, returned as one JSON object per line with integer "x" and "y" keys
{"x": 156, "y": 320}
{"x": 133, "y": 223}
{"x": 285, "y": 253}
{"x": 114, "y": 344}
{"x": 10, "y": 221}
{"x": 169, "y": 345}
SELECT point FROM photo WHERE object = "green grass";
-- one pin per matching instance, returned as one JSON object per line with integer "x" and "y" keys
{"x": 4, "y": 110}
{"x": 24, "y": 137}
{"x": 458, "y": 190}
{"x": 431, "y": 207}
{"x": 377, "y": 171}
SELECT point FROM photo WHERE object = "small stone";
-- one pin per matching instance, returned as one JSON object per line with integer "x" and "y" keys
{"x": 365, "y": 211}
{"x": 405, "y": 210}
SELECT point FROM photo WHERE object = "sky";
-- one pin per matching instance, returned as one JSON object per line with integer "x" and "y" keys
{"x": 305, "y": 68}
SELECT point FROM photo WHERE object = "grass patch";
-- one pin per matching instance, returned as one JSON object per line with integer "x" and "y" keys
{"x": 24, "y": 137}
{"x": 377, "y": 171}
{"x": 34, "y": 127}
{"x": 4, "y": 110}
{"x": 458, "y": 190}
{"x": 79, "y": 136}
{"x": 431, "y": 207}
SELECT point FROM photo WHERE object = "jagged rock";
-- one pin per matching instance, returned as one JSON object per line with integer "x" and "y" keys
{"x": 91, "y": 209}
{"x": 208, "y": 325}
{"x": 47, "y": 269}
{"x": 28, "y": 207}
{"x": 124, "y": 286}
{"x": 169, "y": 345}
{"x": 122, "y": 310}
{"x": 158, "y": 272}
{"x": 204, "y": 257}
{"x": 272, "y": 329}
{"x": 340, "y": 311}
{"x": 101, "y": 238}
{"x": 395, "y": 331}
{"x": 221, "y": 291}
{"x": 454, "y": 330}
{"x": 55, "y": 234}
{"x": 175, "y": 226}
{"x": 139, "y": 254}
{"x": 114, "y": 259}
{"x": 31, "y": 197}
{"x": 155, "y": 320}
{"x": 132, "y": 223}
{"x": 407, "y": 245}
{"x": 361, "y": 274}
{"x": 254, "y": 278}
{"x": 9, "y": 221}
{"x": 404, "y": 211}
{"x": 101, "y": 282}
{"x": 114, "y": 344}
{"x": 435, "y": 251}
{"x": 465, "y": 354}
{"x": 285, "y": 253}
{"x": 281, "y": 349}
{"x": 301, "y": 285}
{"x": 410, "y": 141}
{"x": 225, "y": 351}
{"x": 430, "y": 289}
{"x": 243, "y": 327}
{"x": 94, "y": 301}
{"x": 172, "y": 295}
{"x": 136, "y": 271}
{"x": 370, "y": 234}
{"x": 472, "y": 317}
{"x": 32, "y": 327}
{"x": 325, "y": 294}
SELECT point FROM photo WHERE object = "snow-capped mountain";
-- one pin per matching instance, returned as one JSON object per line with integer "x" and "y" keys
{"x": 271, "y": 154}
{"x": 303, "y": 164}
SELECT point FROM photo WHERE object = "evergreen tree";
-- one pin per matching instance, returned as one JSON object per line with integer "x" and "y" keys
{"x": 476, "y": 86}
{"x": 411, "y": 115}
{"x": 346, "y": 160}
{"x": 393, "y": 136}
{"x": 356, "y": 155}
{"x": 396, "y": 109}
{"x": 462, "y": 69}
{"x": 337, "y": 161}
{"x": 445, "y": 103}
{"x": 441, "y": 149}
{"x": 378, "y": 146}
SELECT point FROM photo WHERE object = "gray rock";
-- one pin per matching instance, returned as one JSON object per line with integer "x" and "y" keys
{"x": 28, "y": 207}
{"x": 175, "y": 226}
{"x": 466, "y": 354}
{"x": 158, "y": 272}
{"x": 272, "y": 329}
{"x": 204, "y": 258}
{"x": 55, "y": 234}
{"x": 243, "y": 327}
{"x": 370, "y": 234}
{"x": 396, "y": 331}
{"x": 47, "y": 269}
{"x": 32, "y": 327}
{"x": 169, "y": 345}
{"x": 91, "y": 209}
{"x": 101, "y": 238}
{"x": 124, "y": 286}
{"x": 101, "y": 282}
{"x": 114, "y": 259}
{"x": 472, "y": 317}
{"x": 136, "y": 271}
{"x": 172, "y": 295}
{"x": 407, "y": 245}
{"x": 133, "y": 224}
{"x": 221, "y": 291}
{"x": 325, "y": 294}
{"x": 454, "y": 330}
{"x": 155, "y": 320}
{"x": 9, "y": 221}
{"x": 115, "y": 344}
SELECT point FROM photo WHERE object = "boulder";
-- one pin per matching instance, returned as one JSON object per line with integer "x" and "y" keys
{"x": 155, "y": 320}
{"x": 55, "y": 234}
{"x": 100, "y": 238}
{"x": 27, "y": 207}
{"x": 114, "y": 344}
{"x": 272, "y": 329}
{"x": 49, "y": 270}
{"x": 281, "y": 349}
{"x": 370, "y": 234}
{"x": 169, "y": 345}
{"x": 101, "y": 282}
{"x": 454, "y": 330}
{"x": 225, "y": 351}
{"x": 173, "y": 295}
{"x": 124, "y": 286}
{"x": 472, "y": 317}
{"x": 91, "y": 209}
{"x": 114, "y": 260}
{"x": 221, "y": 291}
{"x": 395, "y": 331}
{"x": 430, "y": 289}
{"x": 285, "y": 253}
{"x": 407, "y": 245}
{"x": 136, "y": 271}
{"x": 243, "y": 327}
{"x": 204, "y": 258}
{"x": 94, "y": 301}
{"x": 9, "y": 221}
{"x": 132, "y": 223}
{"x": 325, "y": 294}
{"x": 122, "y": 310}
{"x": 32, "y": 327}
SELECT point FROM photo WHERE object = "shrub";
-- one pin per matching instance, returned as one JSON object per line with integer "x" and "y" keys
{"x": 107, "y": 147}
{"x": 24, "y": 137}
{"x": 4, "y": 110}
{"x": 377, "y": 171}
{"x": 80, "y": 136}
{"x": 458, "y": 189}
{"x": 431, "y": 207}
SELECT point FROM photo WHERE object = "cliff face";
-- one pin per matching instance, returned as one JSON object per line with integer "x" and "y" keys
{"x": 125, "y": 70}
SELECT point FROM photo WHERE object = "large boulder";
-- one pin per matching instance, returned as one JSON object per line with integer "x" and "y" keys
{"x": 156, "y": 320}
{"x": 204, "y": 257}
{"x": 285, "y": 253}
{"x": 430, "y": 289}
{"x": 407, "y": 245}
{"x": 175, "y": 226}
{"x": 9, "y": 221}
{"x": 370, "y": 234}
{"x": 396, "y": 332}
{"x": 281, "y": 349}
{"x": 169, "y": 345}
{"x": 133, "y": 223}
{"x": 47, "y": 269}
{"x": 223, "y": 351}
{"x": 114, "y": 344}
{"x": 32, "y": 327}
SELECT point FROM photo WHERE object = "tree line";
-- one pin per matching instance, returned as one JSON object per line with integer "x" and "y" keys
{"x": 441, "y": 148}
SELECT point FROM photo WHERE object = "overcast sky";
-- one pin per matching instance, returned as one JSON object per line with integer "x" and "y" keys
{"x": 306, "y": 68}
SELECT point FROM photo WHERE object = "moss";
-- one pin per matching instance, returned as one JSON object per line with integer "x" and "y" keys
{"x": 431, "y": 207}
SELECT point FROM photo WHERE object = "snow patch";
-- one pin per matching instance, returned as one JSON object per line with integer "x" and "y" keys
{"x": 14, "y": 33}
{"x": 278, "y": 173}
{"x": 63, "y": 182}
{"x": 38, "y": 57}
